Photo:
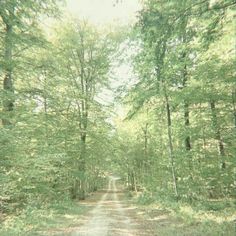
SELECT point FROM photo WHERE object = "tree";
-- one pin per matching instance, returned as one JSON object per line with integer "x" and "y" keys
{"x": 176, "y": 51}
{"x": 19, "y": 22}
{"x": 86, "y": 58}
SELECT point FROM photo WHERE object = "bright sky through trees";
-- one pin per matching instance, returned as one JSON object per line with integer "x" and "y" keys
{"x": 107, "y": 12}
{"x": 104, "y": 11}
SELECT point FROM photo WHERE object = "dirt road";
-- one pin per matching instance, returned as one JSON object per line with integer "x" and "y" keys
{"x": 110, "y": 217}
{"x": 109, "y": 213}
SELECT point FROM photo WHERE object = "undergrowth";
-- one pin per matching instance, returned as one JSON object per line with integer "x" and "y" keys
{"x": 210, "y": 217}
{"x": 34, "y": 220}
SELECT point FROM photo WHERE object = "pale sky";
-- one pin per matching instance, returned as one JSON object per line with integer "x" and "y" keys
{"x": 102, "y": 12}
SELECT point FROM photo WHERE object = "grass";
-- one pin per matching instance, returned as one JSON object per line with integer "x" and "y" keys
{"x": 33, "y": 221}
{"x": 205, "y": 218}
{"x": 207, "y": 228}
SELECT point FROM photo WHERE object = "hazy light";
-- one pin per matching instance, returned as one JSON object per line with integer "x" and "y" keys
{"x": 109, "y": 12}
{"x": 102, "y": 12}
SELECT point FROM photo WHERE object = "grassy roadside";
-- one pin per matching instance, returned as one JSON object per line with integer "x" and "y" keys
{"x": 169, "y": 218}
{"x": 33, "y": 221}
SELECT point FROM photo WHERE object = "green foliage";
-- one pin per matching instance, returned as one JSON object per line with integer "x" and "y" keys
{"x": 185, "y": 60}
{"x": 145, "y": 198}
{"x": 57, "y": 139}
{"x": 56, "y": 84}
{"x": 37, "y": 219}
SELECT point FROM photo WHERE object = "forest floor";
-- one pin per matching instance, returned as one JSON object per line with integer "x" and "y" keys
{"x": 113, "y": 212}
{"x": 110, "y": 213}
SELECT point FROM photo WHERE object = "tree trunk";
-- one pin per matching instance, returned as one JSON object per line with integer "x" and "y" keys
{"x": 145, "y": 130}
{"x": 186, "y": 105}
{"x": 234, "y": 106}
{"x": 45, "y": 104}
{"x": 185, "y": 76}
{"x": 82, "y": 168}
{"x": 171, "y": 151}
{"x": 8, "y": 102}
{"x": 132, "y": 181}
{"x": 218, "y": 134}
{"x": 187, "y": 123}
{"x": 145, "y": 164}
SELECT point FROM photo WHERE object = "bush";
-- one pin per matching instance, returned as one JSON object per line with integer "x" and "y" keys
{"x": 145, "y": 198}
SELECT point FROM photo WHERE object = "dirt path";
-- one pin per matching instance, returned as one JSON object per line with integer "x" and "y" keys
{"x": 109, "y": 213}
{"x": 110, "y": 216}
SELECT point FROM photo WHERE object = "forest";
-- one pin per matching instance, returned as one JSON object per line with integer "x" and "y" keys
{"x": 69, "y": 120}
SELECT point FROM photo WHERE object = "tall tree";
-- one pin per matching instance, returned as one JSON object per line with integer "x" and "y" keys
{"x": 176, "y": 55}
{"x": 87, "y": 67}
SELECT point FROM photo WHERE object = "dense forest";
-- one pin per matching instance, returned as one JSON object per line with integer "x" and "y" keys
{"x": 175, "y": 139}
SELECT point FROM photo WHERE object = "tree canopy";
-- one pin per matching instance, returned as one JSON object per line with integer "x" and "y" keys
{"x": 59, "y": 141}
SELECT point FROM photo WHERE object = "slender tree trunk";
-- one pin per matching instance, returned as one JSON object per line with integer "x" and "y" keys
{"x": 186, "y": 105}
{"x": 204, "y": 143}
{"x": 45, "y": 104}
{"x": 185, "y": 76}
{"x": 82, "y": 158}
{"x": 145, "y": 151}
{"x": 187, "y": 123}
{"x": 145, "y": 141}
{"x": 8, "y": 102}
{"x": 133, "y": 183}
{"x": 218, "y": 134}
{"x": 83, "y": 116}
{"x": 234, "y": 106}
{"x": 171, "y": 151}
{"x": 82, "y": 168}
{"x": 187, "y": 138}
